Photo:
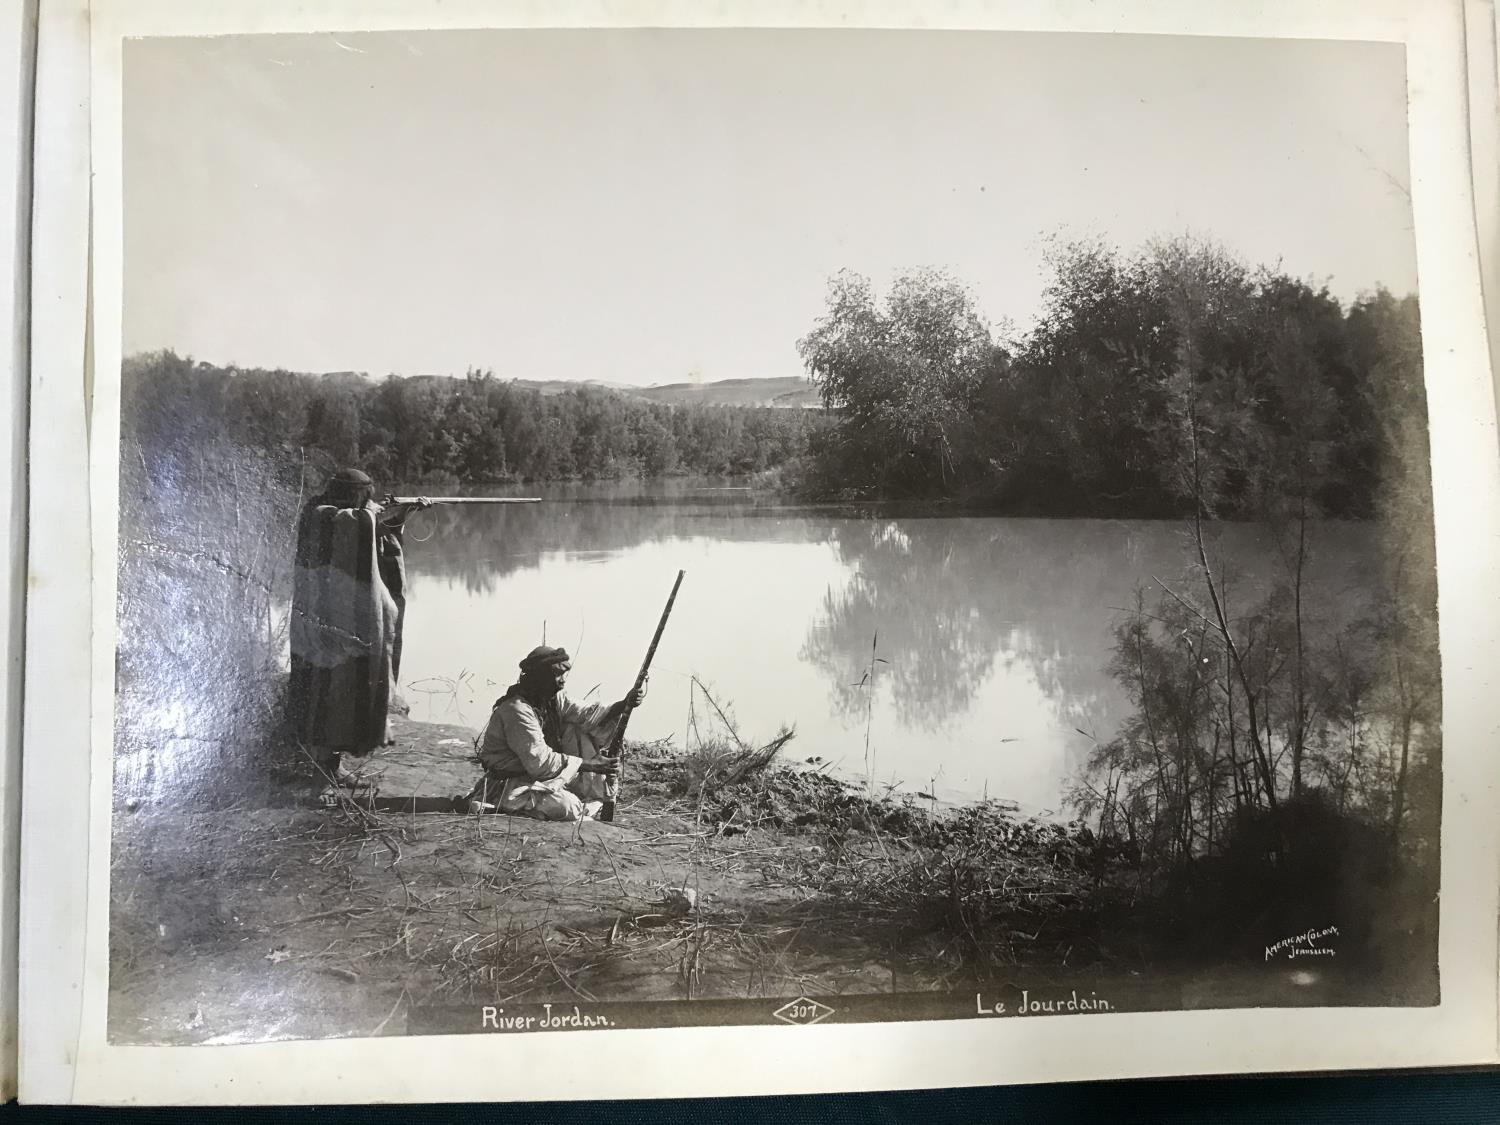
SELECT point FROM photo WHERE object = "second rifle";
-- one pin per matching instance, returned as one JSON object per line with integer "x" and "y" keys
{"x": 617, "y": 743}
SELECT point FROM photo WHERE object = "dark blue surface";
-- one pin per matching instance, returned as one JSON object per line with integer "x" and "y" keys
{"x": 1418, "y": 1097}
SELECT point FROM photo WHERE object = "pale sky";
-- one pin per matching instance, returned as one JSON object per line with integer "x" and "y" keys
{"x": 651, "y": 206}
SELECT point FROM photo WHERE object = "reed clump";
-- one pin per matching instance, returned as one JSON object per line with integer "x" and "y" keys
{"x": 715, "y": 765}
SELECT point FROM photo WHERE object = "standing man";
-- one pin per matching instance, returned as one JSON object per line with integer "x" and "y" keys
{"x": 348, "y": 596}
{"x": 540, "y": 750}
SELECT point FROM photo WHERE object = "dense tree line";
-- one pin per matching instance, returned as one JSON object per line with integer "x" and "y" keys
{"x": 1085, "y": 414}
{"x": 474, "y": 429}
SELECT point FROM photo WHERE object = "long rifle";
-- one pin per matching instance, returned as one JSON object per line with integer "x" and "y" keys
{"x": 414, "y": 500}
{"x": 616, "y": 748}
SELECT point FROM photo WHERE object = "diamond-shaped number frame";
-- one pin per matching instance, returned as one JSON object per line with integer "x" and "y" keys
{"x": 803, "y": 1011}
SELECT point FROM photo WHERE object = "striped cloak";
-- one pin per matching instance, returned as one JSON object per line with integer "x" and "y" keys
{"x": 343, "y": 631}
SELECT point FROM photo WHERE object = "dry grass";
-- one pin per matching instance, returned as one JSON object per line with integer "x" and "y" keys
{"x": 486, "y": 911}
{"x": 466, "y": 899}
{"x": 727, "y": 875}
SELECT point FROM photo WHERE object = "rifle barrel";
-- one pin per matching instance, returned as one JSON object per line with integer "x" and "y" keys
{"x": 660, "y": 628}
{"x": 469, "y": 499}
{"x": 617, "y": 742}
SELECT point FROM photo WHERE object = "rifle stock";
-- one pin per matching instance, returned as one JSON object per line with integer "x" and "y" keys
{"x": 617, "y": 741}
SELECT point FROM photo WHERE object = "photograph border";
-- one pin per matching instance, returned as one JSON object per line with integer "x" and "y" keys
{"x": 70, "y": 646}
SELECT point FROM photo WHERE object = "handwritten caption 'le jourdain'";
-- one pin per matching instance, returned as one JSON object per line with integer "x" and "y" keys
{"x": 1044, "y": 1006}
{"x": 1302, "y": 945}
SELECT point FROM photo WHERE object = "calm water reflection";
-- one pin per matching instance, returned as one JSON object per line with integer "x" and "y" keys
{"x": 993, "y": 634}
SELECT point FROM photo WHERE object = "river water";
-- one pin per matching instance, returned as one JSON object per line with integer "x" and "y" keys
{"x": 989, "y": 638}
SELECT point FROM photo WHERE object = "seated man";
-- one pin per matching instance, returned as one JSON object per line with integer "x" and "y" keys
{"x": 539, "y": 749}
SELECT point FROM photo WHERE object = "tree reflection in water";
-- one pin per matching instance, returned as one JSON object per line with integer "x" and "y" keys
{"x": 955, "y": 598}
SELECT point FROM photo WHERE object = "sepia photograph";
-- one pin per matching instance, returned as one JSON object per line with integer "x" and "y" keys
{"x": 627, "y": 528}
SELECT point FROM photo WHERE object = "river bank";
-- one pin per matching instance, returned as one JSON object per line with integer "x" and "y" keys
{"x": 289, "y": 921}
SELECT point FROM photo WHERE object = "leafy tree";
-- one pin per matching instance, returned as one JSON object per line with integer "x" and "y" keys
{"x": 903, "y": 379}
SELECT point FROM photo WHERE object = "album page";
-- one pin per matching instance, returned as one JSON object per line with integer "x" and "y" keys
{"x": 638, "y": 550}
{"x": 17, "y": 44}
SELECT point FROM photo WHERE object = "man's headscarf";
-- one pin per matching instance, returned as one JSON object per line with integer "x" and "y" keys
{"x": 542, "y": 658}
{"x": 540, "y": 692}
{"x": 345, "y": 486}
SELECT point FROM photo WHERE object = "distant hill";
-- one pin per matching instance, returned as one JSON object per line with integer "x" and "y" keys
{"x": 789, "y": 391}
{"x": 792, "y": 392}
{"x": 558, "y": 386}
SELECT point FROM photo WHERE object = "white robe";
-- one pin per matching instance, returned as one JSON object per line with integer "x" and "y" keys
{"x": 556, "y": 788}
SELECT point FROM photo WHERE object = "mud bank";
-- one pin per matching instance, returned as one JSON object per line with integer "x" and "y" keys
{"x": 291, "y": 921}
